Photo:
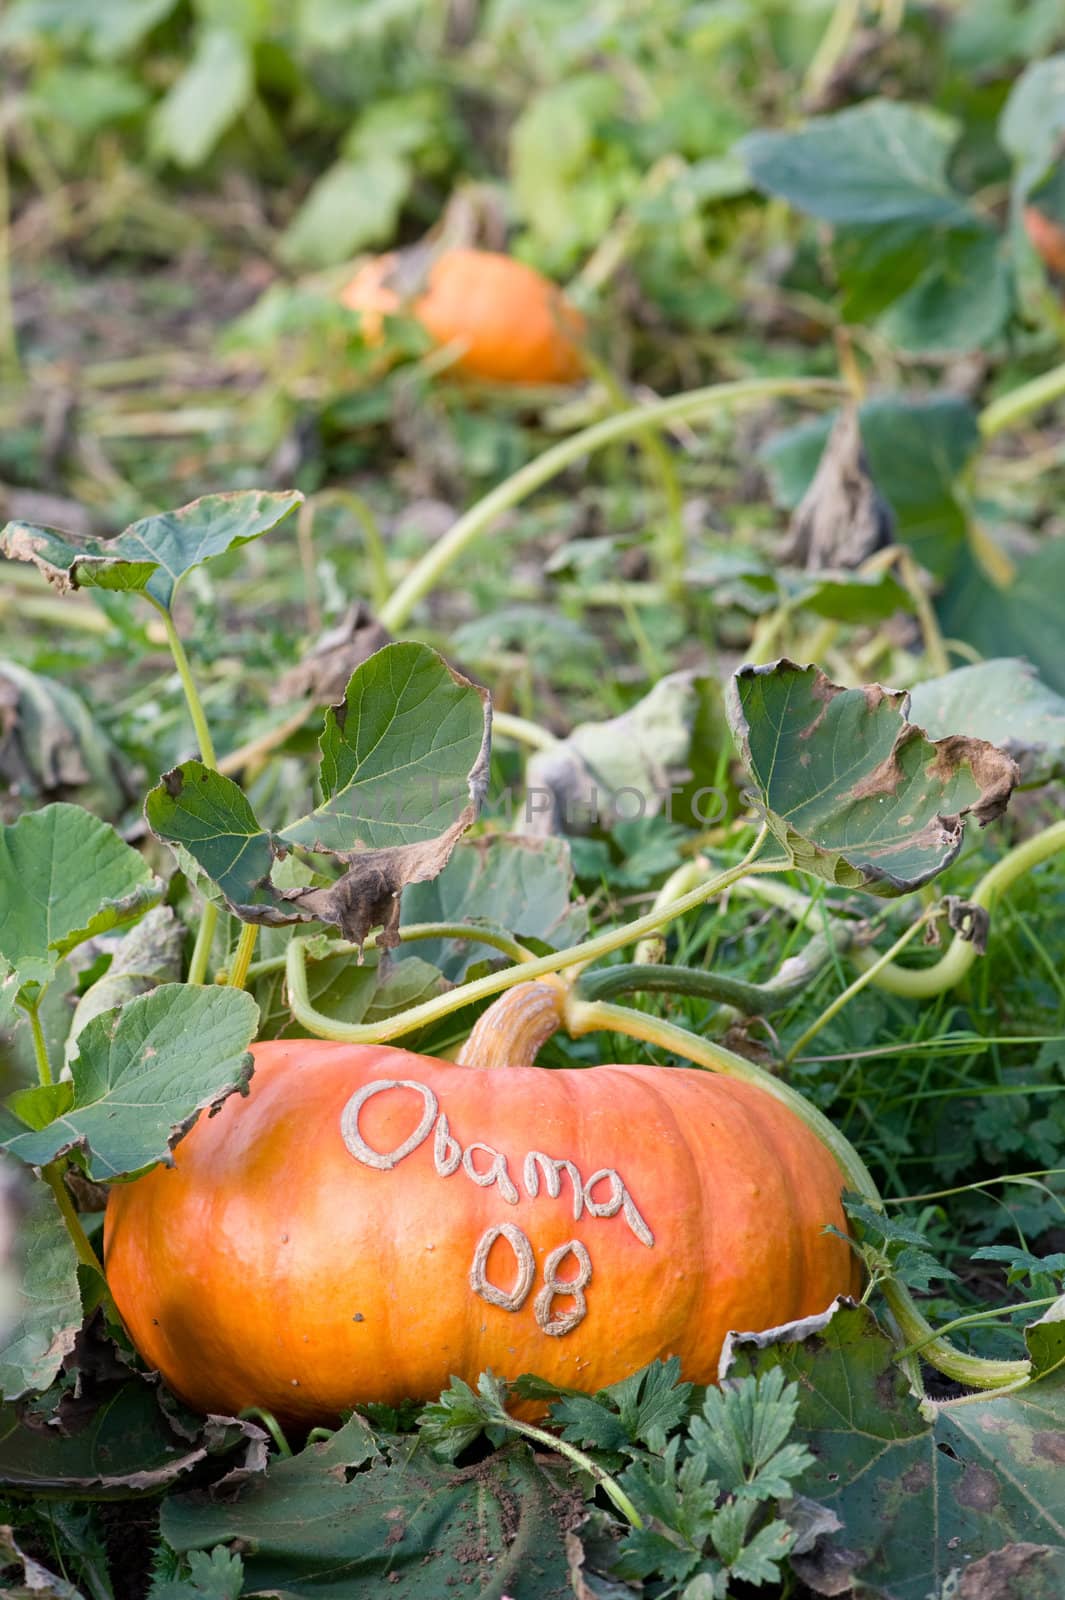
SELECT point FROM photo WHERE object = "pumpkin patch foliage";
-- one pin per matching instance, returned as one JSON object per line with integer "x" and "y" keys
{"x": 532, "y": 857}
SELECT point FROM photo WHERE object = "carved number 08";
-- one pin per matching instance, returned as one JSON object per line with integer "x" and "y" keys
{"x": 513, "y": 1299}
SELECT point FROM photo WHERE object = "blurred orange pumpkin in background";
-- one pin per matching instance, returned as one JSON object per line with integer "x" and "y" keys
{"x": 509, "y": 323}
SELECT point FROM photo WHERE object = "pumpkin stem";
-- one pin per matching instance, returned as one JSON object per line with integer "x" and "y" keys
{"x": 511, "y": 1031}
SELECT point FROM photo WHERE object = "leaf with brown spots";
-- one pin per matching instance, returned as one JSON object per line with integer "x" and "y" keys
{"x": 856, "y": 793}
{"x": 922, "y": 1490}
{"x": 404, "y": 768}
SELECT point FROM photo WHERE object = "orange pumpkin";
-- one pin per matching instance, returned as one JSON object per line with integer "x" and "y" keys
{"x": 511, "y": 324}
{"x": 369, "y": 1222}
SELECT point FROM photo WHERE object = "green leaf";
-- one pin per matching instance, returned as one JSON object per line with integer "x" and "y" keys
{"x": 1003, "y": 701}
{"x": 108, "y": 27}
{"x": 140, "y": 1082}
{"x": 341, "y": 1521}
{"x": 404, "y": 767}
{"x": 504, "y": 880}
{"x": 211, "y": 93}
{"x": 51, "y": 746}
{"x": 911, "y": 246}
{"x": 1045, "y": 1339}
{"x": 874, "y": 163}
{"x": 153, "y": 555}
{"x": 1033, "y": 120}
{"x": 65, "y": 877}
{"x": 356, "y": 203}
{"x": 350, "y": 990}
{"x": 742, "y": 1435}
{"x": 112, "y": 1440}
{"x": 1021, "y": 619}
{"x": 850, "y": 597}
{"x": 218, "y": 1576}
{"x": 48, "y": 1306}
{"x": 961, "y": 303}
{"x": 921, "y": 1489}
{"x": 853, "y": 791}
{"x": 917, "y": 450}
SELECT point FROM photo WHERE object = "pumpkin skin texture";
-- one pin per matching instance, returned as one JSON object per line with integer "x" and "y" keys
{"x": 272, "y": 1267}
{"x": 513, "y": 324}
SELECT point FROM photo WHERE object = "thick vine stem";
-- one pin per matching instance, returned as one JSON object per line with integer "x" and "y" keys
{"x": 40, "y": 1046}
{"x": 626, "y": 425}
{"x": 922, "y": 983}
{"x": 237, "y": 976}
{"x": 580, "y": 955}
{"x": 513, "y": 1028}
{"x": 594, "y": 1016}
{"x": 753, "y": 999}
{"x": 494, "y": 938}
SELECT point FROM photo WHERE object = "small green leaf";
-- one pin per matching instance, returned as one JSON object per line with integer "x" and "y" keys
{"x": 211, "y": 93}
{"x": 853, "y": 791}
{"x": 65, "y": 877}
{"x": 143, "y": 1075}
{"x": 1045, "y": 1339}
{"x": 48, "y": 1307}
{"x": 355, "y": 203}
{"x": 218, "y": 1576}
{"x": 1033, "y": 120}
{"x": 151, "y": 556}
{"x": 404, "y": 768}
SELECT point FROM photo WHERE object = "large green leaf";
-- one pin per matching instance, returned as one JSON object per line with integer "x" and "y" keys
{"x": 342, "y": 1521}
{"x": 64, "y": 878}
{"x": 522, "y": 885}
{"x": 48, "y": 1310}
{"x": 1003, "y": 701}
{"x": 922, "y": 1490}
{"x": 142, "y": 1076}
{"x": 151, "y": 556}
{"x": 1022, "y": 619}
{"x": 853, "y": 791}
{"x": 110, "y": 1440}
{"x": 404, "y": 767}
{"x": 917, "y": 450}
{"x": 909, "y": 245}
{"x": 874, "y": 163}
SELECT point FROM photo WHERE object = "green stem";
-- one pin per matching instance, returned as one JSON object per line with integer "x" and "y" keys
{"x": 836, "y": 1006}
{"x": 238, "y": 972}
{"x": 40, "y": 1046}
{"x": 627, "y": 425}
{"x": 270, "y": 1423}
{"x": 609, "y": 1485}
{"x": 495, "y": 939}
{"x": 324, "y": 1027}
{"x": 192, "y": 696}
{"x": 974, "y": 1318}
{"x": 53, "y": 1177}
{"x": 922, "y": 983}
{"x": 1009, "y": 409}
{"x": 201, "y": 950}
{"x": 201, "y": 953}
{"x": 522, "y": 731}
{"x": 590, "y": 1017}
{"x": 753, "y": 999}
